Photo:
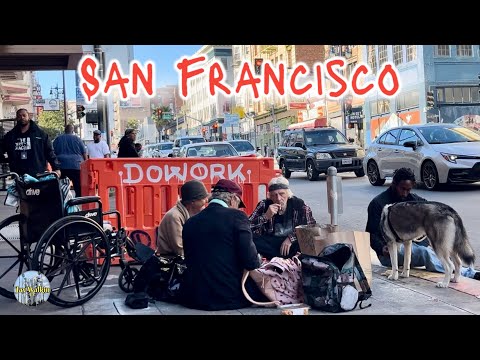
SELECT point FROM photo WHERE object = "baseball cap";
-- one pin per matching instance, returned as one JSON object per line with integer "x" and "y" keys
{"x": 224, "y": 185}
{"x": 97, "y": 132}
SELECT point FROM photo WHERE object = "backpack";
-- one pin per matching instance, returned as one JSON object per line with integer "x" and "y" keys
{"x": 160, "y": 278}
{"x": 280, "y": 280}
{"x": 329, "y": 279}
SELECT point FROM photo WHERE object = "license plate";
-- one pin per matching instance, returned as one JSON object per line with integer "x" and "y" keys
{"x": 346, "y": 161}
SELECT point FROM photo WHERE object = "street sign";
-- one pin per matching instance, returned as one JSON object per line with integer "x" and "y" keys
{"x": 356, "y": 116}
{"x": 167, "y": 116}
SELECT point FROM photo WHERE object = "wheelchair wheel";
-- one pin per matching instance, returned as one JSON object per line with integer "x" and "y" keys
{"x": 79, "y": 266}
{"x": 14, "y": 255}
{"x": 126, "y": 278}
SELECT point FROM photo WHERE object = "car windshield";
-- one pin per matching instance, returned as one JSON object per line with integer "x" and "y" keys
{"x": 448, "y": 135}
{"x": 324, "y": 137}
{"x": 191, "y": 141}
{"x": 211, "y": 150}
{"x": 243, "y": 146}
{"x": 166, "y": 146}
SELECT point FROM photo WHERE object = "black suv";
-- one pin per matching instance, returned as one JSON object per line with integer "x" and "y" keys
{"x": 315, "y": 150}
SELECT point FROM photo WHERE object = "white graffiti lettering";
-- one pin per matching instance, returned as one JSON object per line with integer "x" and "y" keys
{"x": 198, "y": 171}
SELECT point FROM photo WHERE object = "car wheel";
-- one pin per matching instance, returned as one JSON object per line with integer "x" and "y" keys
{"x": 312, "y": 173}
{"x": 359, "y": 172}
{"x": 430, "y": 175}
{"x": 285, "y": 172}
{"x": 373, "y": 174}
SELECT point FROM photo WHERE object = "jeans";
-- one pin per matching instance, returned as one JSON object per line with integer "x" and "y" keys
{"x": 424, "y": 256}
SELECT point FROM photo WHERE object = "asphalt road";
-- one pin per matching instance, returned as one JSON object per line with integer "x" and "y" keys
{"x": 357, "y": 193}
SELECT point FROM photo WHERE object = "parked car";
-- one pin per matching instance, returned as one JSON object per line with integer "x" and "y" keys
{"x": 208, "y": 149}
{"x": 437, "y": 154}
{"x": 314, "y": 150}
{"x": 184, "y": 140}
{"x": 161, "y": 150}
{"x": 245, "y": 148}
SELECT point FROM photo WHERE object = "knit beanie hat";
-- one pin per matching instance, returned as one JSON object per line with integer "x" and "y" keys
{"x": 193, "y": 190}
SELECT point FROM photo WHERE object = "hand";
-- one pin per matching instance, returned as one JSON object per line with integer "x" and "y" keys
{"x": 385, "y": 250}
{"x": 272, "y": 210}
{"x": 285, "y": 247}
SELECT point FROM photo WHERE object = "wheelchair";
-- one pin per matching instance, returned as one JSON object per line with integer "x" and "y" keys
{"x": 71, "y": 249}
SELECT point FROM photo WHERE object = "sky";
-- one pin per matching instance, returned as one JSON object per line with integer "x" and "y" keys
{"x": 163, "y": 56}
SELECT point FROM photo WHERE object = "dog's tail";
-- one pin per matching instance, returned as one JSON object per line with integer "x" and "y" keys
{"x": 462, "y": 245}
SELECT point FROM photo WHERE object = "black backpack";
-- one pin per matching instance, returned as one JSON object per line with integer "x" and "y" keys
{"x": 329, "y": 279}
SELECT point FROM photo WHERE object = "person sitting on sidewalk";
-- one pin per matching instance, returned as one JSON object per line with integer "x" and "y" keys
{"x": 422, "y": 254}
{"x": 274, "y": 220}
{"x": 218, "y": 249}
{"x": 194, "y": 197}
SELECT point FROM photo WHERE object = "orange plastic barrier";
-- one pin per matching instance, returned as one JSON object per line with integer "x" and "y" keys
{"x": 143, "y": 190}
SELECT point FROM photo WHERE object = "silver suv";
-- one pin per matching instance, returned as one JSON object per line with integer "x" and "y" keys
{"x": 185, "y": 140}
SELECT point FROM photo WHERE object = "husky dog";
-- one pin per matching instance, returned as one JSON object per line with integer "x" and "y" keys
{"x": 413, "y": 221}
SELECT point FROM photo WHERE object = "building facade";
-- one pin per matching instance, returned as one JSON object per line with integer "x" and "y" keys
{"x": 449, "y": 72}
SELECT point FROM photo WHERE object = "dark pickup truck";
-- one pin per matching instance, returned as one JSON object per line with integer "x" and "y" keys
{"x": 315, "y": 150}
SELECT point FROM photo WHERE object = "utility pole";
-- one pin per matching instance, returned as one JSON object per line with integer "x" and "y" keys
{"x": 101, "y": 100}
{"x": 274, "y": 129}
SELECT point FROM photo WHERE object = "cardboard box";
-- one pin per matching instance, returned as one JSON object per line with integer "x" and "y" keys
{"x": 313, "y": 239}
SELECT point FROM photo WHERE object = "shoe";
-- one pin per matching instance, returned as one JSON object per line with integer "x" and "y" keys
{"x": 477, "y": 275}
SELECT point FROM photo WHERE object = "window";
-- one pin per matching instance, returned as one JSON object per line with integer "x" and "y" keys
{"x": 464, "y": 50}
{"x": 407, "y": 135}
{"x": 225, "y": 63}
{"x": 384, "y": 106}
{"x": 397, "y": 54}
{"x": 392, "y": 136}
{"x": 372, "y": 61}
{"x": 382, "y": 139}
{"x": 458, "y": 95}
{"x": 350, "y": 67}
{"x": 442, "y": 50}
{"x": 411, "y": 52}
{"x": 449, "y": 95}
{"x": 407, "y": 100}
{"x": 382, "y": 54}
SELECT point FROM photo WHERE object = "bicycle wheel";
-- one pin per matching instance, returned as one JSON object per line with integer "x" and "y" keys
{"x": 80, "y": 262}
{"x": 14, "y": 255}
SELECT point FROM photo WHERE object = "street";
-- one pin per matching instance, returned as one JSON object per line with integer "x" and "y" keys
{"x": 357, "y": 193}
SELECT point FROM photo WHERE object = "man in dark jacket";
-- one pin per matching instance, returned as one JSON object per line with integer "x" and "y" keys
{"x": 29, "y": 147}
{"x": 218, "y": 247}
{"x": 126, "y": 145}
{"x": 274, "y": 220}
{"x": 422, "y": 254}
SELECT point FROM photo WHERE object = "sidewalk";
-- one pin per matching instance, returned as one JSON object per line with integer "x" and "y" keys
{"x": 416, "y": 295}
{"x": 413, "y": 296}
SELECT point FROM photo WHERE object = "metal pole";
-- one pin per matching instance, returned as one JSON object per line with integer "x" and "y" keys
{"x": 274, "y": 130}
{"x": 334, "y": 196}
{"x": 64, "y": 98}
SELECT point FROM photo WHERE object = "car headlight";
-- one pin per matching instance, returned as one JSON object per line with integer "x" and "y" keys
{"x": 450, "y": 158}
{"x": 360, "y": 153}
{"x": 322, "y": 156}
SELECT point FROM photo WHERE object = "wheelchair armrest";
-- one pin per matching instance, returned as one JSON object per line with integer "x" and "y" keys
{"x": 12, "y": 174}
{"x": 83, "y": 200}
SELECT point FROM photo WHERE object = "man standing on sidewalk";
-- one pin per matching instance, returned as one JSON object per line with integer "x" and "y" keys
{"x": 71, "y": 152}
{"x": 98, "y": 149}
{"x": 29, "y": 147}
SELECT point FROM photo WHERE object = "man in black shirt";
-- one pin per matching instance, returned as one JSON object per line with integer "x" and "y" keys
{"x": 422, "y": 254}
{"x": 29, "y": 147}
{"x": 218, "y": 248}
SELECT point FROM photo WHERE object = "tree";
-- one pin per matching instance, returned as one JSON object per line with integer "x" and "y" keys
{"x": 132, "y": 123}
{"x": 159, "y": 121}
{"x": 53, "y": 122}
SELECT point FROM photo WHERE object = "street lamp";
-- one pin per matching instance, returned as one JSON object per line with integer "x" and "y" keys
{"x": 61, "y": 91}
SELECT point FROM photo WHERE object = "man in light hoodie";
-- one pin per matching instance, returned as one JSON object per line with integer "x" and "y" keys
{"x": 194, "y": 198}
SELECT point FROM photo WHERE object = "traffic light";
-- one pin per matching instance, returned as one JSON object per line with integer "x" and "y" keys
{"x": 215, "y": 128}
{"x": 80, "y": 111}
{"x": 430, "y": 100}
{"x": 348, "y": 104}
{"x": 258, "y": 66}
{"x": 204, "y": 131}
{"x": 159, "y": 113}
